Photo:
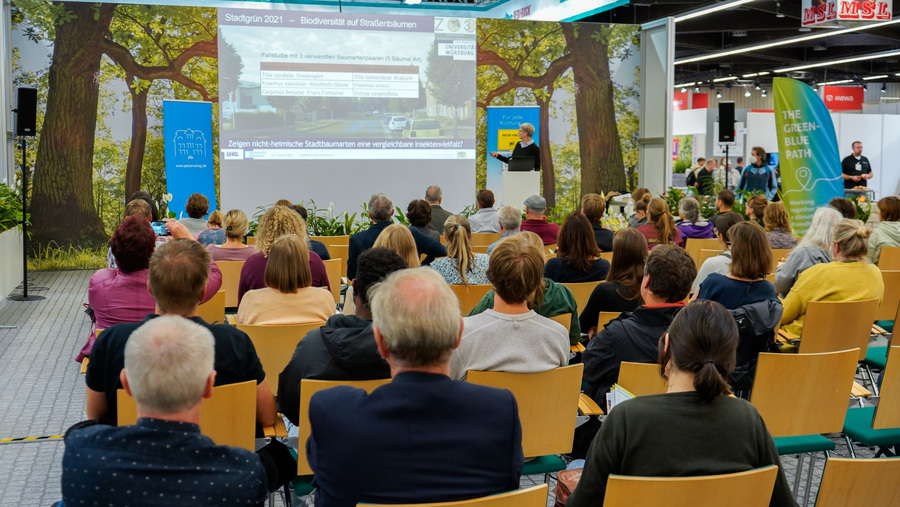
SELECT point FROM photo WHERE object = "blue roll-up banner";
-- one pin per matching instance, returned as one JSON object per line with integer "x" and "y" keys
{"x": 502, "y": 135}
{"x": 187, "y": 128}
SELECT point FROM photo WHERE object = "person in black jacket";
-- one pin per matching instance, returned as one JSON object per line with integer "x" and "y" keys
{"x": 593, "y": 206}
{"x": 526, "y": 147}
{"x": 344, "y": 348}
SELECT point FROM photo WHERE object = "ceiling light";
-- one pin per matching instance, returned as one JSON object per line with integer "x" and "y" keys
{"x": 683, "y": 85}
{"x": 683, "y": 90}
{"x": 739, "y": 33}
{"x": 412, "y": 2}
{"x": 778, "y": 13}
{"x": 755, "y": 74}
{"x": 720, "y": 79}
{"x": 697, "y": 89}
{"x": 883, "y": 76}
{"x": 860, "y": 58}
{"x": 883, "y": 88}
{"x": 801, "y": 38}
{"x": 758, "y": 86}
{"x": 710, "y": 10}
{"x": 764, "y": 92}
{"x": 718, "y": 94}
{"x": 747, "y": 93}
{"x": 820, "y": 47}
{"x": 842, "y": 81}
{"x": 865, "y": 87}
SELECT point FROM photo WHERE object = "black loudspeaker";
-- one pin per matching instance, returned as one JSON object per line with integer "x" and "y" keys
{"x": 726, "y": 122}
{"x": 26, "y": 111}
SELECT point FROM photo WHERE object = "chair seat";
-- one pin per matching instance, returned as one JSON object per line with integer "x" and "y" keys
{"x": 858, "y": 426}
{"x": 544, "y": 465}
{"x": 302, "y": 485}
{"x": 803, "y": 443}
{"x": 887, "y": 325}
{"x": 876, "y": 357}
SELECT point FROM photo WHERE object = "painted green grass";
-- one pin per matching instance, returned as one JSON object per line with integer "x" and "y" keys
{"x": 53, "y": 257}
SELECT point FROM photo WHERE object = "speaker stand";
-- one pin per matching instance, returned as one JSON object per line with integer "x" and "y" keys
{"x": 24, "y": 296}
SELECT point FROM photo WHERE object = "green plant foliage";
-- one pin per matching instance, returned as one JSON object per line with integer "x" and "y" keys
{"x": 863, "y": 209}
{"x": 10, "y": 207}
{"x": 55, "y": 257}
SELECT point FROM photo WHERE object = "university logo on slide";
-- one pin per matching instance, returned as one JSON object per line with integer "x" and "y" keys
{"x": 189, "y": 143}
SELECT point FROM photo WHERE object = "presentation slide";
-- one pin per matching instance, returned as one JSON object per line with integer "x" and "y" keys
{"x": 302, "y": 86}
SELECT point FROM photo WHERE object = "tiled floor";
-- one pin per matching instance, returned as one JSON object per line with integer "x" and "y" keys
{"x": 42, "y": 392}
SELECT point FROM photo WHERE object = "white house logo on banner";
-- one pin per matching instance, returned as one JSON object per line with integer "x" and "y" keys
{"x": 189, "y": 142}
{"x": 819, "y": 12}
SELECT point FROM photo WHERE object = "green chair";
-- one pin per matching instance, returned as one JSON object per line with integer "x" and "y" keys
{"x": 878, "y": 426}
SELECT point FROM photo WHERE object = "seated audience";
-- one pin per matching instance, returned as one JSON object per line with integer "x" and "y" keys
{"x": 720, "y": 263}
{"x": 344, "y": 348}
{"x": 288, "y": 297}
{"x": 593, "y": 206}
{"x": 233, "y": 249}
{"x": 434, "y": 196}
{"x": 394, "y": 237}
{"x": 577, "y": 256}
{"x": 756, "y": 208}
{"x": 692, "y": 224}
{"x": 276, "y": 222}
{"x": 530, "y": 343}
{"x": 550, "y": 300}
{"x": 695, "y": 428}
{"x": 134, "y": 207}
{"x": 778, "y": 226}
{"x": 888, "y": 231}
{"x": 462, "y": 265}
{"x": 145, "y": 196}
{"x": 814, "y": 248}
{"x": 314, "y": 246}
{"x": 633, "y": 336}
{"x": 197, "y": 207}
{"x": 417, "y": 325}
{"x": 120, "y": 295}
{"x": 622, "y": 290}
{"x": 536, "y": 220}
{"x": 844, "y": 206}
{"x": 510, "y": 220}
{"x": 418, "y": 212}
{"x": 177, "y": 275}
{"x": 660, "y": 227}
{"x": 214, "y": 234}
{"x": 724, "y": 203}
{"x": 641, "y": 197}
{"x": 485, "y": 219}
{"x": 168, "y": 368}
{"x": 848, "y": 277}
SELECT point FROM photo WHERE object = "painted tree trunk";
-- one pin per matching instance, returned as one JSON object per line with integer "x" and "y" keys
{"x": 138, "y": 142}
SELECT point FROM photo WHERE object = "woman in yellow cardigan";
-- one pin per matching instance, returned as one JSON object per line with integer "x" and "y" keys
{"x": 849, "y": 277}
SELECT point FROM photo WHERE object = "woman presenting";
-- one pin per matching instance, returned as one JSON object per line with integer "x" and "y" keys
{"x": 524, "y": 148}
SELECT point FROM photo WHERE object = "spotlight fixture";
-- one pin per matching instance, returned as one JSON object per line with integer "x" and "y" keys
{"x": 683, "y": 89}
{"x": 778, "y": 13}
{"x": 696, "y": 89}
{"x": 718, "y": 94}
{"x": 883, "y": 88}
{"x": 747, "y": 93}
{"x": 758, "y": 85}
{"x": 865, "y": 87}
{"x": 764, "y": 92}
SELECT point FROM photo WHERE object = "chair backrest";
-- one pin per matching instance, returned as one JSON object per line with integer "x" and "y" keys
{"x": 789, "y": 388}
{"x": 275, "y": 345}
{"x": 641, "y": 379}
{"x": 777, "y": 255}
{"x": 213, "y": 311}
{"x": 581, "y": 292}
{"x": 548, "y": 405}
{"x": 470, "y": 295}
{"x": 604, "y": 317}
{"x": 231, "y": 278}
{"x": 477, "y": 249}
{"x": 890, "y": 302}
{"x": 838, "y": 325}
{"x": 548, "y": 256}
{"x": 307, "y": 389}
{"x": 535, "y": 496}
{"x": 333, "y": 269}
{"x": 332, "y": 240}
{"x": 251, "y": 240}
{"x": 565, "y": 319}
{"x": 848, "y": 481}
{"x": 889, "y": 258}
{"x": 228, "y": 417}
{"x": 752, "y": 488}
{"x": 484, "y": 238}
{"x": 694, "y": 245}
{"x": 887, "y": 413}
{"x": 706, "y": 253}
{"x": 771, "y": 278}
{"x": 340, "y": 252}
{"x": 607, "y": 256}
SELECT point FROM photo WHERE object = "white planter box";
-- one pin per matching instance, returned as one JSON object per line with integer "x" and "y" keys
{"x": 10, "y": 260}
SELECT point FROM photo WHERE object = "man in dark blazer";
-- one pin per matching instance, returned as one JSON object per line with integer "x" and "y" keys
{"x": 422, "y": 437}
{"x": 434, "y": 196}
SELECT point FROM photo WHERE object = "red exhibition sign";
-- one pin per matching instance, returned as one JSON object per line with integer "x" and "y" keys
{"x": 843, "y": 98}
{"x": 818, "y": 12}
{"x": 701, "y": 101}
{"x": 680, "y": 101}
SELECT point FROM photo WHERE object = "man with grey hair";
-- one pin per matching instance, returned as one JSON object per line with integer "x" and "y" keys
{"x": 510, "y": 219}
{"x": 434, "y": 196}
{"x": 163, "y": 459}
{"x": 536, "y": 220}
{"x": 422, "y": 428}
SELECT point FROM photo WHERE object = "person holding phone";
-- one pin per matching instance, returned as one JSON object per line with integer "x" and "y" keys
{"x": 526, "y": 147}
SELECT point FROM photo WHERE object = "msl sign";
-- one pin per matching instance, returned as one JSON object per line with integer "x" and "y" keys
{"x": 819, "y": 12}
{"x": 843, "y": 98}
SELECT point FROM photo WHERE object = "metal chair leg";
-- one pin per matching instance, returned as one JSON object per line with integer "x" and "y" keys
{"x": 797, "y": 475}
{"x": 809, "y": 477}
{"x": 872, "y": 380}
{"x": 850, "y": 447}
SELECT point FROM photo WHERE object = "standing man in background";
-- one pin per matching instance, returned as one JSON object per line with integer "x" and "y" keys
{"x": 434, "y": 196}
{"x": 856, "y": 168}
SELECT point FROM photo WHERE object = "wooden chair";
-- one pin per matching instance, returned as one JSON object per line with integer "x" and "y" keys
{"x": 470, "y": 295}
{"x": 581, "y": 292}
{"x": 333, "y": 268}
{"x": 87, "y": 360}
{"x": 307, "y": 389}
{"x": 340, "y": 252}
{"x": 705, "y": 254}
{"x": 859, "y": 482}
{"x": 837, "y": 325}
{"x": 777, "y": 255}
{"x": 887, "y": 310}
{"x": 476, "y": 248}
{"x": 548, "y": 405}
{"x": 790, "y": 388}
{"x": 484, "y": 238}
{"x": 535, "y": 496}
{"x": 752, "y": 488}
{"x": 889, "y": 258}
{"x": 228, "y": 417}
{"x": 332, "y": 240}
{"x": 251, "y": 240}
{"x": 275, "y": 345}
{"x": 213, "y": 311}
{"x": 878, "y": 426}
{"x": 694, "y": 245}
{"x": 607, "y": 256}
{"x": 231, "y": 277}
{"x": 548, "y": 256}
{"x": 641, "y": 379}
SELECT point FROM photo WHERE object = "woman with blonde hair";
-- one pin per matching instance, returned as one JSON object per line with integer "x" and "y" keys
{"x": 660, "y": 227}
{"x": 848, "y": 277}
{"x": 394, "y": 237}
{"x": 233, "y": 249}
{"x": 288, "y": 297}
{"x": 462, "y": 265}
{"x": 778, "y": 226}
{"x": 276, "y": 222}
{"x": 814, "y": 248}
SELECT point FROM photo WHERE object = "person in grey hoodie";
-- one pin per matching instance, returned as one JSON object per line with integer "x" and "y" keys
{"x": 888, "y": 231}
{"x": 344, "y": 348}
{"x": 814, "y": 248}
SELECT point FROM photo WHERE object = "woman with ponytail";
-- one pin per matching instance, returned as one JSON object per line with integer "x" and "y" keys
{"x": 462, "y": 265}
{"x": 848, "y": 277}
{"x": 695, "y": 428}
{"x": 660, "y": 227}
